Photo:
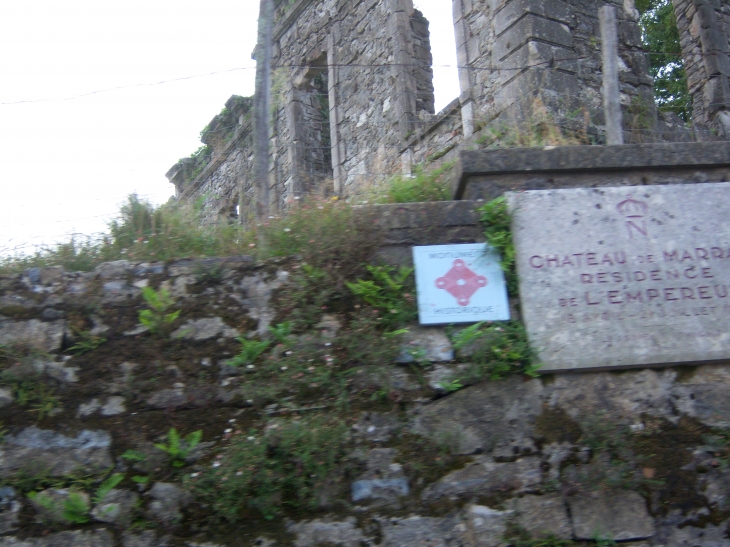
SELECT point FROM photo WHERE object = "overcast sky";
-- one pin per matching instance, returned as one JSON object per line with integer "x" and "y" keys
{"x": 69, "y": 156}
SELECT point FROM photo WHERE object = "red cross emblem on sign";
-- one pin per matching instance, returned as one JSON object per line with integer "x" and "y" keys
{"x": 461, "y": 282}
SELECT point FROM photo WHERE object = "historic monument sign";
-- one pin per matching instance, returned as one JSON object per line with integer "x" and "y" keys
{"x": 459, "y": 283}
{"x": 619, "y": 276}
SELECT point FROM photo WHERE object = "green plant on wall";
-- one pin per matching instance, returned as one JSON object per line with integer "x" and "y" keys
{"x": 422, "y": 185}
{"x": 496, "y": 220}
{"x": 250, "y": 351}
{"x": 390, "y": 291}
{"x": 496, "y": 349}
{"x": 157, "y": 316}
{"x": 286, "y": 466}
{"x": 107, "y": 486}
{"x": 86, "y": 342}
{"x": 177, "y": 448}
{"x": 74, "y": 509}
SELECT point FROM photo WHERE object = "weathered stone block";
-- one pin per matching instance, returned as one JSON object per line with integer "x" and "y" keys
{"x": 516, "y": 9}
{"x": 204, "y": 329}
{"x": 428, "y": 344}
{"x": 486, "y": 527}
{"x": 617, "y": 515}
{"x": 113, "y": 270}
{"x": 543, "y": 516}
{"x": 57, "y": 454}
{"x": 45, "y": 336}
{"x": 316, "y": 532}
{"x": 531, "y": 27}
{"x": 484, "y": 476}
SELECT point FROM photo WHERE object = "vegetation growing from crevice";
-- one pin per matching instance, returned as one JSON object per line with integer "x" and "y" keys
{"x": 495, "y": 350}
{"x": 423, "y": 185}
{"x": 496, "y": 220}
{"x": 542, "y": 129}
{"x": 288, "y": 463}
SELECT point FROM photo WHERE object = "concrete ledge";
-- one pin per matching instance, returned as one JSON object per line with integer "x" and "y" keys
{"x": 485, "y": 174}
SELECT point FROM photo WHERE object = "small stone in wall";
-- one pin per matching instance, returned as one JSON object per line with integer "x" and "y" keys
{"x": 542, "y": 516}
{"x": 115, "y": 507}
{"x": 417, "y": 531}
{"x": 388, "y": 490}
{"x": 147, "y": 538}
{"x": 486, "y": 526}
{"x": 54, "y": 452}
{"x": 113, "y": 270}
{"x": 139, "y": 329}
{"x": 6, "y": 397}
{"x": 45, "y": 336}
{"x": 204, "y": 329}
{"x": 484, "y": 476}
{"x": 168, "y": 398}
{"x": 115, "y": 292}
{"x": 316, "y": 532}
{"x": 376, "y": 427}
{"x": 62, "y": 373}
{"x": 114, "y": 406}
{"x": 87, "y": 409}
{"x": 427, "y": 344}
{"x": 617, "y": 515}
{"x": 9, "y": 509}
{"x": 168, "y": 502}
{"x": 94, "y": 538}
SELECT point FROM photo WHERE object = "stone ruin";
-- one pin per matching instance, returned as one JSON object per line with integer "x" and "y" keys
{"x": 353, "y": 101}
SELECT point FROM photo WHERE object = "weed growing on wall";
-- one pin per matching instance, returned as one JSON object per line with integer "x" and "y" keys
{"x": 540, "y": 130}
{"x": 85, "y": 342}
{"x": 495, "y": 349}
{"x": 422, "y": 185}
{"x": 287, "y": 464}
{"x": 327, "y": 234}
{"x": 178, "y": 448}
{"x": 496, "y": 220}
{"x": 157, "y": 316}
{"x": 389, "y": 291}
{"x": 74, "y": 509}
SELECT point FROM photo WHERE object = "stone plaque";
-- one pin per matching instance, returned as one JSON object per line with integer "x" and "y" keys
{"x": 633, "y": 275}
{"x": 459, "y": 284}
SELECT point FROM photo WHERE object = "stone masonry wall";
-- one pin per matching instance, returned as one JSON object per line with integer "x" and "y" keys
{"x": 517, "y": 57}
{"x": 376, "y": 58}
{"x": 220, "y": 183}
{"x": 703, "y": 29}
{"x": 352, "y": 93}
{"x": 638, "y": 456}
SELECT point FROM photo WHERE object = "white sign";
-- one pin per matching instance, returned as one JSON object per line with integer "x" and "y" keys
{"x": 459, "y": 284}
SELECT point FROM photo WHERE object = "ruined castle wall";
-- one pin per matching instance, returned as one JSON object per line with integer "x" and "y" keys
{"x": 373, "y": 58}
{"x": 519, "y": 57}
{"x": 703, "y": 29}
{"x": 437, "y": 141}
{"x": 220, "y": 180}
{"x": 227, "y": 192}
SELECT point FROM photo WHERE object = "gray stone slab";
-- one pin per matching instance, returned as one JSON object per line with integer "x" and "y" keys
{"x": 620, "y": 276}
{"x": 618, "y": 515}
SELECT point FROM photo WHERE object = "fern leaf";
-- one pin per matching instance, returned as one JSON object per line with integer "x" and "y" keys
{"x": 105, "y": 487}
{"x": 173, "y": 438}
